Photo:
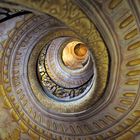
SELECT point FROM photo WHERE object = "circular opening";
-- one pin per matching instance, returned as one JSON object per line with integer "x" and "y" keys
{"x": 80, "y": 50}
{"x": 75, "y": 55}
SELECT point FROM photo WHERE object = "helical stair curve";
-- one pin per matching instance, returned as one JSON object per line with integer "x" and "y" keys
{"x": 70, "y": 70}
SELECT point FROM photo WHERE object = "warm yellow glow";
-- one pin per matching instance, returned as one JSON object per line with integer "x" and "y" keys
{"x": 75, "y": 54}
{"x": 80, "y": 50}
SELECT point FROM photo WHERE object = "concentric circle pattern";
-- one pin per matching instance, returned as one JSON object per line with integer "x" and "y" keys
{"x": 54, "y": 83}
{"x": 71, "y": 72}
{"x": 59, "y": 81}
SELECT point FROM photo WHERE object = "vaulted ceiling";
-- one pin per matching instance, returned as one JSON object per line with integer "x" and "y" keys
{"x": 69, "y": 70}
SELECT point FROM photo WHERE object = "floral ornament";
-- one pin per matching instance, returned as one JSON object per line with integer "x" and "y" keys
{"x": 8, "y": 128}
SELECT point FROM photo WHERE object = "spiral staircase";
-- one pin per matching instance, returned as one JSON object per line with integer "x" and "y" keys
{"x": 69, "y": 70}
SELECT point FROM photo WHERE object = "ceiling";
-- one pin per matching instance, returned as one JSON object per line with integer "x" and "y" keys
{"x": 70, "y": 70}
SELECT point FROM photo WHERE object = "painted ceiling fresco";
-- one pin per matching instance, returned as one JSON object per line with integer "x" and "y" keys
{"x": 69, "y": 70}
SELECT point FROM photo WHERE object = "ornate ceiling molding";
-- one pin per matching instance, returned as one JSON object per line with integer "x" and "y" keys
{"x": 34, "y": 80}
